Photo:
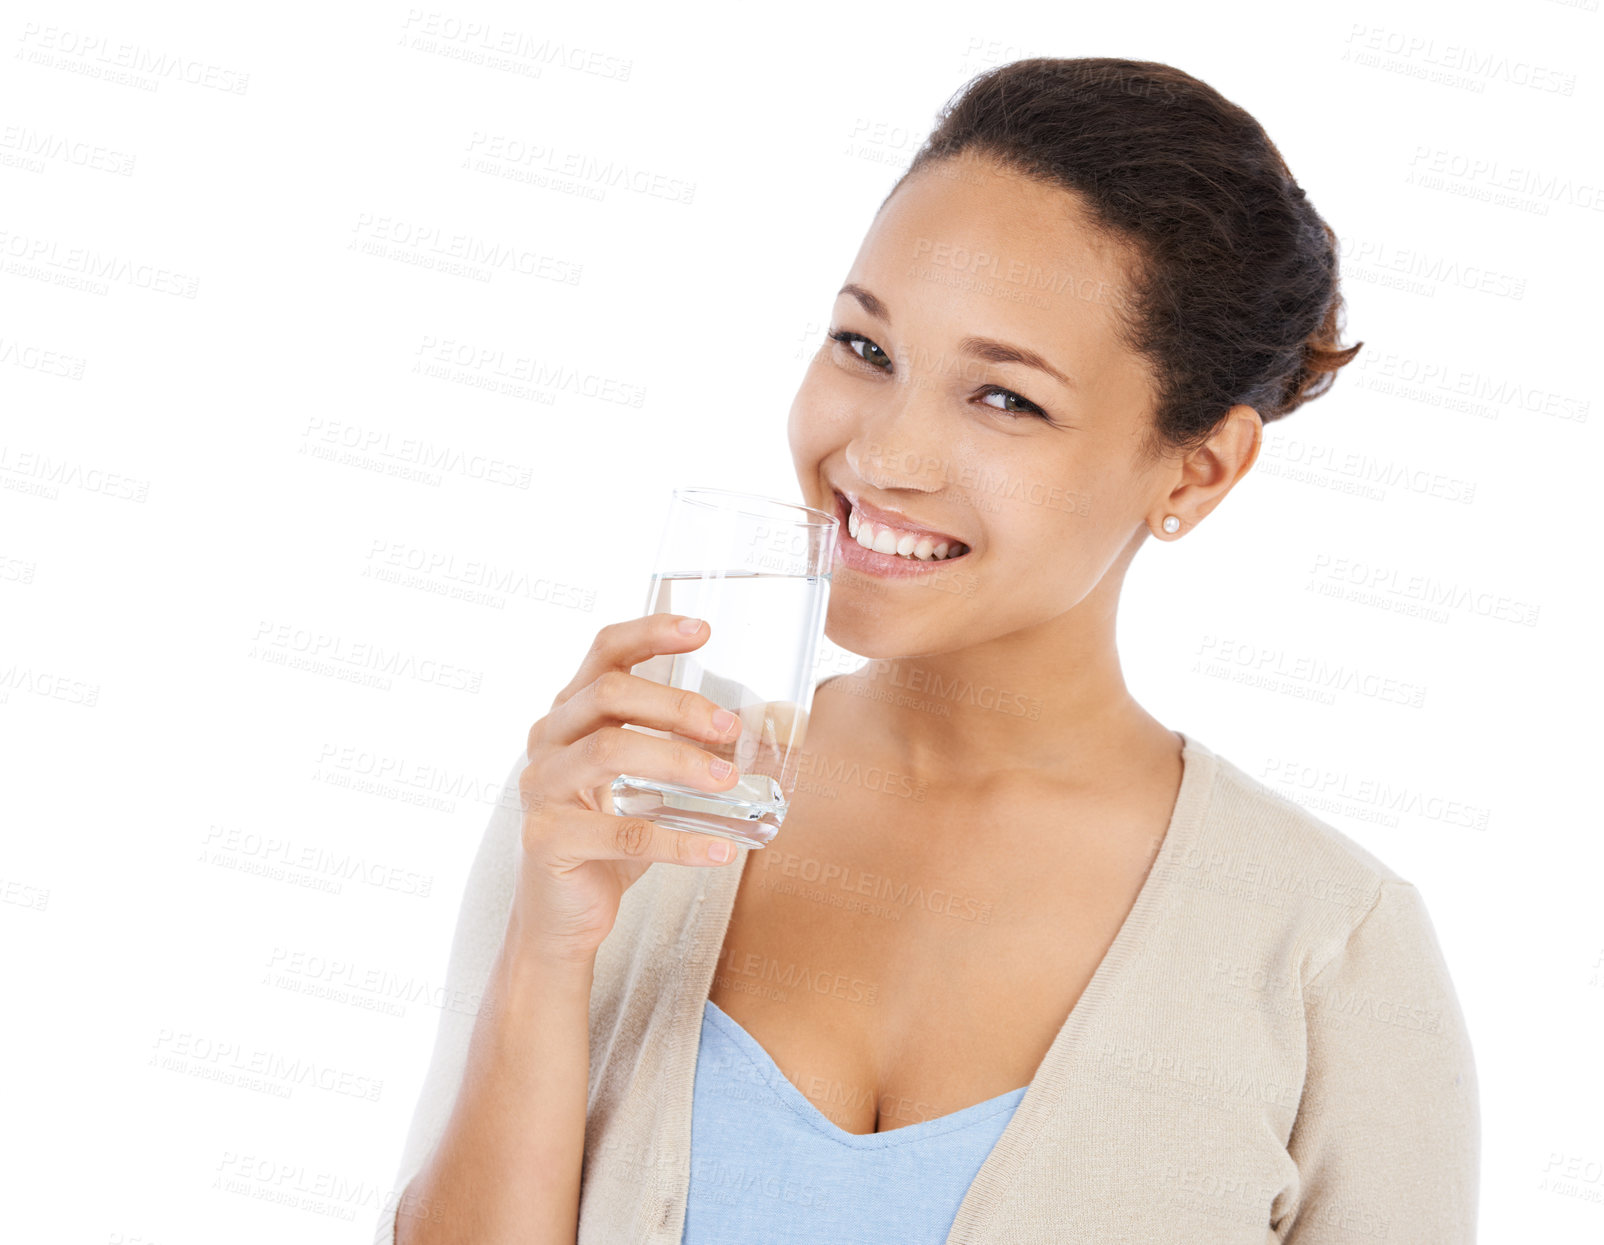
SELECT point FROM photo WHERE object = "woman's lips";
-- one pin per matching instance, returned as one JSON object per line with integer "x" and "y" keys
{"x": 882, "y": 565}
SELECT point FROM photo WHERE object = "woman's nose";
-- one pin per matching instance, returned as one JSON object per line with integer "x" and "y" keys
{"x": 902, "y": 443}
{"x": 905, "y": 465}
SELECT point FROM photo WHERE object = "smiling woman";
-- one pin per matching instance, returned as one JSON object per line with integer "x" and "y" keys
{"x": 1059, "y": 972}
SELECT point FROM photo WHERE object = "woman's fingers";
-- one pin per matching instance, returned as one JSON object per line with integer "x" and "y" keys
{"x": 608, "y": 751}
{"x": 616, "y": 696}
{"x": 568, "y": 836}
{"x": 624, "y": 645}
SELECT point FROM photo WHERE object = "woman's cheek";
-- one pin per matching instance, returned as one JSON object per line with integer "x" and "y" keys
{"x": 813, "y": 416}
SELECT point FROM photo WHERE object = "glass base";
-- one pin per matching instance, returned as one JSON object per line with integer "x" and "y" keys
{"x": 749, "y": 822}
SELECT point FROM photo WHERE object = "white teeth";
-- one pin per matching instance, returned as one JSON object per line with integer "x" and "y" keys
{"x": 902, "y": 544}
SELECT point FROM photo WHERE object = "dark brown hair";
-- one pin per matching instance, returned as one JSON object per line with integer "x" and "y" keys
{"x": 1233, "y": 295}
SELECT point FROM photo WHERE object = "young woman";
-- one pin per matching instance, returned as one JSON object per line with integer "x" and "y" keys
{"x": 1024, "y": 964}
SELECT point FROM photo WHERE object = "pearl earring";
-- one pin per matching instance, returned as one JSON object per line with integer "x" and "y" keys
{"x": 1171, "y": 524}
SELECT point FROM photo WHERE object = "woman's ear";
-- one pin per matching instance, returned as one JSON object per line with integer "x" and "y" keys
{"x": 1211, "y": 471}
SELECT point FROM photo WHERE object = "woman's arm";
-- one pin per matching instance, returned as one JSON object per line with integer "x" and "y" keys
{"x": 1388, "y": 1134}
{"x": 510, "y": 1154}
{"x": 497, "y": 1142}
{"x": 498, "y": 1133}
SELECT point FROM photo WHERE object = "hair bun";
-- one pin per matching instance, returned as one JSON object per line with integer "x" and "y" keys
{"x": 1323, "y": 355}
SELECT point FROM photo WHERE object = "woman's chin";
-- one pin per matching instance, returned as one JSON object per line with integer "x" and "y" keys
{"x": 870, "y": 633}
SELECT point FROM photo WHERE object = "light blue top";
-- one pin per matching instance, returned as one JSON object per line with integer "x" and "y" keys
{"x": 769, "y": 1168}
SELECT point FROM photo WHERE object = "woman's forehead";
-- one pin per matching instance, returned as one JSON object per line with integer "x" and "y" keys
{"x": 1003, "y": 257}
{"x": 993, "y": 208}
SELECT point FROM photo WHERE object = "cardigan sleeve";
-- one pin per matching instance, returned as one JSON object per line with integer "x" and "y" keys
{"x": 1387, "y": 1136}
{"x": 481, "y": 926}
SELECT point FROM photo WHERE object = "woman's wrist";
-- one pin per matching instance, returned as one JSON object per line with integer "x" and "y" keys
{"x": 535, "y": 972}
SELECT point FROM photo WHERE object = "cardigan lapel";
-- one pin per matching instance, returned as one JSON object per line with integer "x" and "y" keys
{"x": 713, "y": 900}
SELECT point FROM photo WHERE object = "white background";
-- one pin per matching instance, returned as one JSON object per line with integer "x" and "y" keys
{"x": 181, "y": 517}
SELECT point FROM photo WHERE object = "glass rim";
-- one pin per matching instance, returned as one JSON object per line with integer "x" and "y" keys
{"x": 763, "y": 507}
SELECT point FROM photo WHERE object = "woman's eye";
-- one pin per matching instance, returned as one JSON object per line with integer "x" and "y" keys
{"x": 1012, "y": 403}
{"x": 870, "y": 354}
{"x": 1024, "y": 406}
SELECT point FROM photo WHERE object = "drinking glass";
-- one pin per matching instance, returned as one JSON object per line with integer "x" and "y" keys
{"x": 758, "y": 571}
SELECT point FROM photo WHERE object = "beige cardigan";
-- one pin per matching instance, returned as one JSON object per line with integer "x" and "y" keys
{"x": 1271, "y": 1050}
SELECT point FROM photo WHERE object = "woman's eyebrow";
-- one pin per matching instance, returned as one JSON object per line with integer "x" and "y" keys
{"x": 986, "y": 348}
{"x": 994, "y": 351}
{"x": 870, "y": 303}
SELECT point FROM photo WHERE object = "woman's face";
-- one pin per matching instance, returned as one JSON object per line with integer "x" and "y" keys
{"x": 979, "y": 391}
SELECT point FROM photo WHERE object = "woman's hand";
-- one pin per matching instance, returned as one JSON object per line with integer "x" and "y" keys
{"x": 577, "y": 860}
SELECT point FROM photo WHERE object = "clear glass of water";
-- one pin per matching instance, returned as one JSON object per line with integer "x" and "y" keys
{"x": 758, "y": 571}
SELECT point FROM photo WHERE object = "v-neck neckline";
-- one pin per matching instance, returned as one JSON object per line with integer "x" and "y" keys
{"x": 780, "y": 1085}
{"x": 715, "y": 902}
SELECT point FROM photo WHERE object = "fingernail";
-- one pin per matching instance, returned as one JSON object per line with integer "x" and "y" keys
{"x": 721, "y": 851}
{"x": 723, "y": 720}
{"x": 720, "y": 768}
{"x": 689, "y": 626}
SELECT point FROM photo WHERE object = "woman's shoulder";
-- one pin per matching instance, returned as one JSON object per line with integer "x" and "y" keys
{"x": 1248, "y": 815}
{"x": 1279, "y": 861}
{"x": 1338, "y": 957}
{"x": 1288, "y": 891}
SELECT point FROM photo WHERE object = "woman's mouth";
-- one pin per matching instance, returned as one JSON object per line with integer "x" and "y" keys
{"x": 878, "y": 542}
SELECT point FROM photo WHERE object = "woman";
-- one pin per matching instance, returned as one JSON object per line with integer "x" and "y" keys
{"x": 1071, "y": 976}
